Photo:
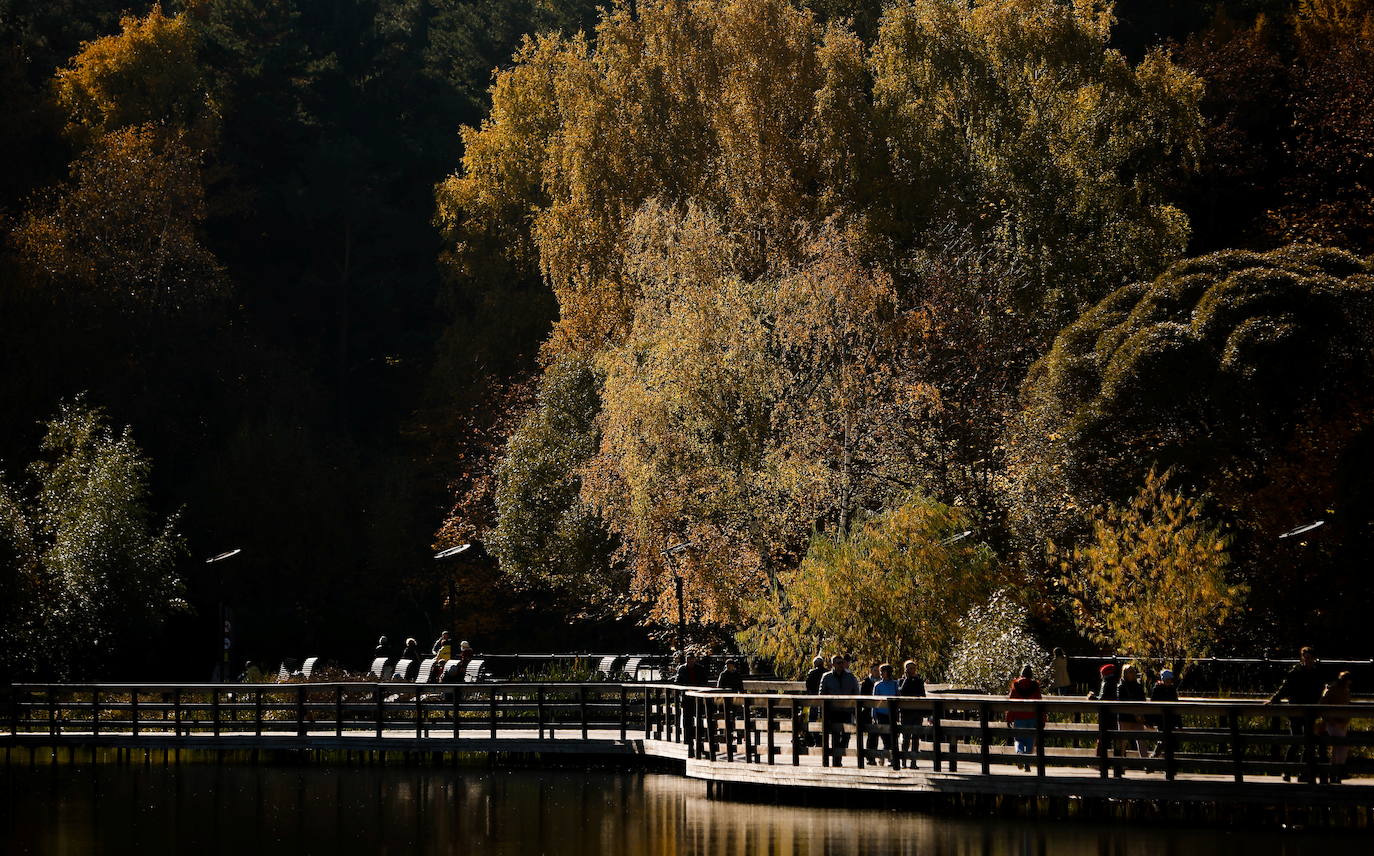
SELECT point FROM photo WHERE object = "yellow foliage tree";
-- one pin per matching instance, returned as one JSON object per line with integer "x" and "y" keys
{"x": 1153, "y": 579}
{"x": 897, "y": 586}
{"x": 738, "y": 414}
{"x": 125, "y": 227}
{"x": 147, "y": 74}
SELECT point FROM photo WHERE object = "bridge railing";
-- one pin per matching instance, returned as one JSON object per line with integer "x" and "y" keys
{"x": 1238, "y": 738}
{"x": 972, "y": 733}
{"x": 542, "y": 711}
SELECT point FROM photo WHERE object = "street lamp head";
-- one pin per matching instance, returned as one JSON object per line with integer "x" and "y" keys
{"x": 677, "y": 548}
{"x": 451, "y": 551}
{"x": 219, "y": 557}
{"x": 1306, "y": 527}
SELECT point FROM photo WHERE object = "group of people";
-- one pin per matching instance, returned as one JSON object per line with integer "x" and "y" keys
{"x": 442, "y": 651}
{"x": 1302, "y": 685}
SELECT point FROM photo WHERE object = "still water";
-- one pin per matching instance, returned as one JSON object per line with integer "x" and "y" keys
{"x": 205, "y": 809}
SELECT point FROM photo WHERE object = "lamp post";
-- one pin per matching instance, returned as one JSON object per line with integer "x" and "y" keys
{"x": 222, "y": 668}
{"x": 450, "y": 553}
{"x": 677, "y": 586}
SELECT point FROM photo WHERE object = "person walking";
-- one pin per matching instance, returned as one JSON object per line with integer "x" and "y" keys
{"x": 1059, "y": 672}
{"x": 1165, "y": 690}
{"x": 1024, "y": 687}
{"x": 886, "y": 685}
{"x": 912, "y": 685}
{"x": 691, "y": 674}
{"x": 1107, "y": 691}
{"x": 839, "y": 681}
{"x": 1302, "y": 685}
{"x": 731, "y": 678}
{"x": 1338, "y": 726}
{"x": 1131, "y": 689}
{"x": 865, "y": 712}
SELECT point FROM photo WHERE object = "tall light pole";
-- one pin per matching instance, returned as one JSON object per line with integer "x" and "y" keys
{"x": 226, "y": 617}
{"x": 450, "y": 553}
{"x": 677, "y": 585}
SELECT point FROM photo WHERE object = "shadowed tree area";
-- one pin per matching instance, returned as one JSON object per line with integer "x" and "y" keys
{"x": 370, "y": 277}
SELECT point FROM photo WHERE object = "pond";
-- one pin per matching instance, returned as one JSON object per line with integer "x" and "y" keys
{"x": 204, "y": 809}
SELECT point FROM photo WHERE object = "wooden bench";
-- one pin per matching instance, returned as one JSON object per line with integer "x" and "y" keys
{"x": 308, "y": 667}
{"x": 382, "y": 669}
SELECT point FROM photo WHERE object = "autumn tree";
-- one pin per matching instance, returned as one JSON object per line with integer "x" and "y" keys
{"x": 94, "y": 569}
{"x": 744, "y": 216}
{"x": 1330, "y": 188}
{"x": 895, "y": 586}
{"x": 546, "y": 535}
{"x": 148, "y": 74}
{"x": 125, "y": 229}
{"x": 1154, "y": 580}
{"x": 1247, "y": 375}
{"x": 739, "y": 414}
{"x": 1015, "y": 118}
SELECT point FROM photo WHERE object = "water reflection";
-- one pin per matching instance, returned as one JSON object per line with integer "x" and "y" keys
{"x": 204, "y": 810}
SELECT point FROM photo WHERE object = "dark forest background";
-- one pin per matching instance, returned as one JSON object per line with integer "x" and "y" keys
{"x": 307, "y": 377}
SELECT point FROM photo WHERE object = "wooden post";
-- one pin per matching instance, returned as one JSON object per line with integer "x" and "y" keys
{"x": 728, "y": 710}
{"x": 801, "y": 734}
{"x": 1166, "y": 724}
{"x": 1237, "y": 747}
{"x": 582, "y": 707}
{"x": 825, "y": 734}
{"x": 539, "y": 710}
{"x": 648, "y": 721}
{"x": 492, "y": 707}
{"x": 133, "y": 711}
{"x": 214, "y": 711}
{"x": 1104, "y": 740}
{"x": 623, "y": 713}
{"x": 95, "y": 712}
{"x": 1309, "y": 743}
{"x": 769, "y": 707}
{"x": 937, "y": 733}
{"x": 380, "y": 708}
{"x": 894, "y": 735}
{"x": 301, "y": 727}
{"x": 257, "y": 712}
{"x": 1039, "y": 740}
{"x": 458, "y": 706}
{"x": 52, "y": 713}
{"x": 985, "y": 735}
{"x": 419, "y": 715}
{"x": 338, "y": 710}
{"x": 176, "y": 712}
{"x": 859, "y": 736}
{"x": 710, "y": 727}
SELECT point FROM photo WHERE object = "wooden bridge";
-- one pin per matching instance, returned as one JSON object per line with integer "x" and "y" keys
{"x": 1193, "y": 751}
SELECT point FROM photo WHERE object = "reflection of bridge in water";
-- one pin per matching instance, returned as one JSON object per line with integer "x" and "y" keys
{"x": 942, "y": 746}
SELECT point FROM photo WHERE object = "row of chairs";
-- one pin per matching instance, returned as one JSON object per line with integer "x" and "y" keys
{"x": 431, "y": 670}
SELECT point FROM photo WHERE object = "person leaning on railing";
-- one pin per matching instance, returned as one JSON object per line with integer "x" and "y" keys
{"x": 1338, "y": 726}
{"x": 1302, "y": 685}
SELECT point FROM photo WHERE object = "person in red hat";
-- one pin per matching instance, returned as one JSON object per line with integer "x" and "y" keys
{"x": 1108, "y": 691}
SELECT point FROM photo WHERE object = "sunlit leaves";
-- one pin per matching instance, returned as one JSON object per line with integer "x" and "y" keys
{"x": 95, "y": 566}
{"x": 1154, "y": 580}
{"x": 894, "y": 587}
{"x": 147, "y": 74}
{"x": 125, "y": 228}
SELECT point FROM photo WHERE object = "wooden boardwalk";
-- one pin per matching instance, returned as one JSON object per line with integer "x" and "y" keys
{"x": 1223, "y": 753}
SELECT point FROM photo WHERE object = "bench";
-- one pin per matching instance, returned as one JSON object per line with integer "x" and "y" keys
{"x": 606, "y": 666}
{"x": 308, "y": 667}
{"x": 382, "y": 669}
{"x": 427, "y": 673}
